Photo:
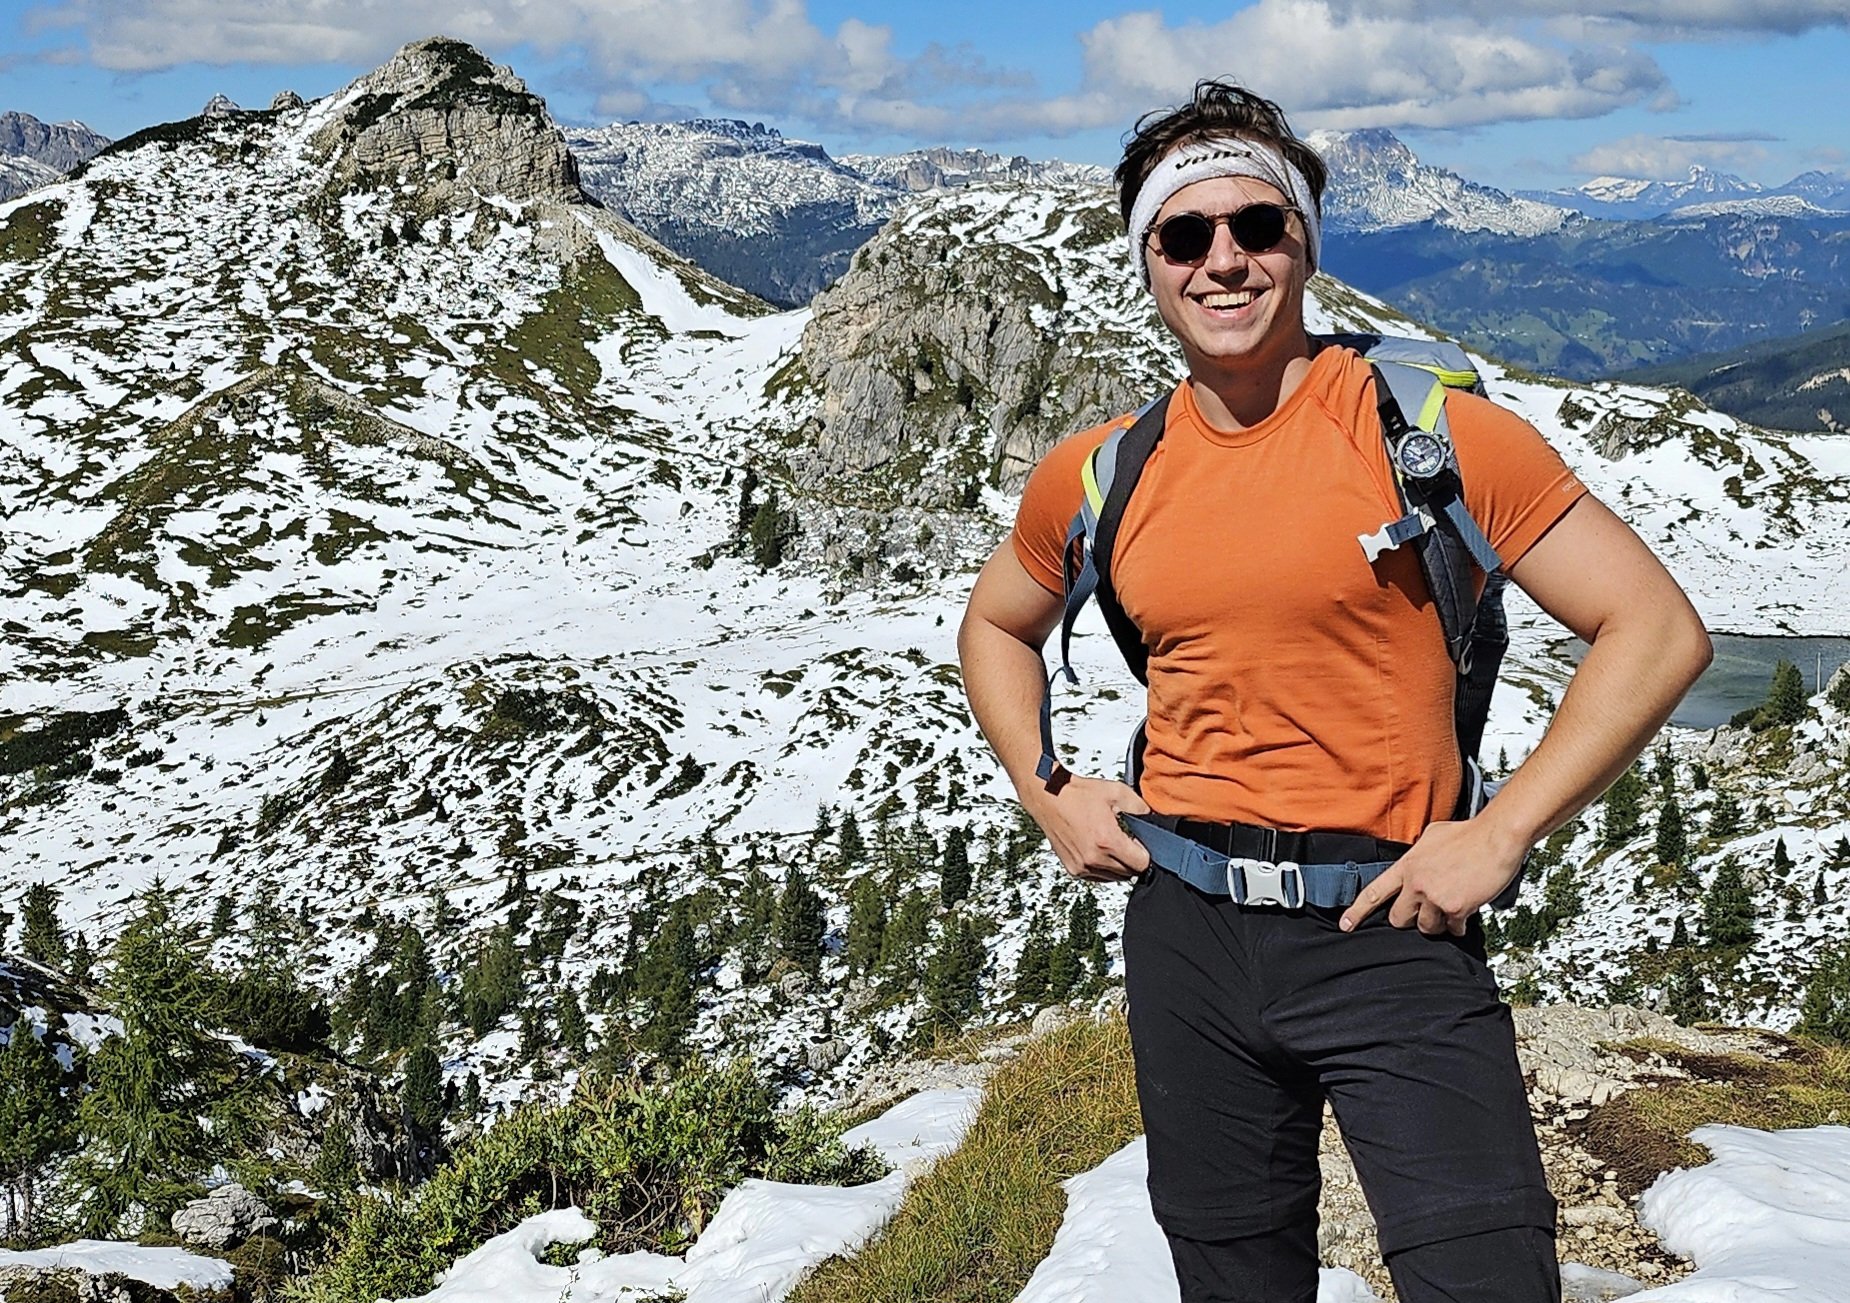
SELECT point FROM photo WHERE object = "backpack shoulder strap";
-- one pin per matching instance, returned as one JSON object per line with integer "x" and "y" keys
{"x": 1107, "y": 478}
{"x": 1450, "y": 554}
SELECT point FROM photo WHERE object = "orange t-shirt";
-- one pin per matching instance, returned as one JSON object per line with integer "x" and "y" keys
{"x": 1291, "y": 683}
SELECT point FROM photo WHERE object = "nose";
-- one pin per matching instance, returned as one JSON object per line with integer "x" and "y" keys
{"x": 1224, "y": 252}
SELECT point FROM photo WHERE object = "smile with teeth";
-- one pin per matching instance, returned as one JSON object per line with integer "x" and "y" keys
{"x": 1227, "y": 298}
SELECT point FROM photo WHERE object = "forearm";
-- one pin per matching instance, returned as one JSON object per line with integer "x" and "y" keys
{"x": 1634, "y": 674}
{"x": 1004, "y": 679}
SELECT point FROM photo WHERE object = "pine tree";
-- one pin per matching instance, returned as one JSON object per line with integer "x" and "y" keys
{"x": 1672, "y": 842}
{"x": 572, "y": 1028}
{"x": 83, "y": 959}
{"x": 748, "y": 503}
{"x": 954, "y": 875}
{"x": 1817, "y": 889}
{"x": 1679, "y": 935}
{"x": 1728, "y": 907}
{"x": 867, "y": 919}
{"x": 1699, "y": 777}
{"x": 1825, "y": 1010}
{"x": 823, "y": 829}
{"x": 1664, "y": 773}
{"x": 1840, "y": 853}
{"x": 771, "y": 531}
{"x": 902, "y": 949}
{"x": 1724, "y": 815}
{"x": 1782, "y": 860}
{"x": 335, "y": 1171}
{"x": 40, "y": 937}
{"x": 757, "y": 921}
{"x": 665, "y": 981}
{"x": 1685, "y": 998}
{"x": 800, "y": 923}
{"x": 493, "y": 983}
{"x": 1083, "y": 937}
{"x": 422, "y": 1092}
{"x": 1785, "y": 699}
{"x": 167, "y": 1098}
{"x": 35, "y": 1122}
{"x": 472, "y": 1094}
{"x": 853, "y": 847}
{"x": 222, "y": 917}
{"x": 1064, "y": 969}
{"x": 953, "y": 979}
{"x": 1623, "y": 807}
{"x": 1031, "y": 968}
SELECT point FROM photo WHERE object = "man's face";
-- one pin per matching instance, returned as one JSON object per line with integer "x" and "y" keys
{"x": 1233, "y": 310}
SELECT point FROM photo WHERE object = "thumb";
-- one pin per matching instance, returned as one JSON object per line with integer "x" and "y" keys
{"x": 1126, "y": 800}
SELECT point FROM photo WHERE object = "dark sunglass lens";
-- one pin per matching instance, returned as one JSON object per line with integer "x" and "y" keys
{"x": 1185, "y": 237}
{"x": 1258, "y": 227}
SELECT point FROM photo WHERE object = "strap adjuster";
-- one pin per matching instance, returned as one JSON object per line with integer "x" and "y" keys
{"x": 1262, "y": 882}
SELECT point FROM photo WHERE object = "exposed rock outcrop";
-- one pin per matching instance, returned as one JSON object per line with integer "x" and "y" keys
{"x": 949, "y": 357}
{"x": 441, "y": 114}
{"x": 225, "y": 1218}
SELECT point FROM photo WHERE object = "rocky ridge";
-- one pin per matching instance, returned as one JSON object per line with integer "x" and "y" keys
{"x": 1377, "y": 182}
{"x": 34, "y": 153}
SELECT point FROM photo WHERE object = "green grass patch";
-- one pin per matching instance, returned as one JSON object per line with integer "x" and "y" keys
{"x": 1645, "y": 1132}
{"x": 27, "y": 234}
{"x": 557, "y": 335}
{"x": 974, "y": 1229}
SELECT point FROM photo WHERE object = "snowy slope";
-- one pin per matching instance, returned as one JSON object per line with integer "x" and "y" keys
{"x": 403, "y": 521}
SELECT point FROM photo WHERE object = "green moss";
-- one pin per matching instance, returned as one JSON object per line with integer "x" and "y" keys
{"x": 121, "y": 642}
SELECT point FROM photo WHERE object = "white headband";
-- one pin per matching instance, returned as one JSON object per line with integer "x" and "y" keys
{"x": 1200, "y": 160}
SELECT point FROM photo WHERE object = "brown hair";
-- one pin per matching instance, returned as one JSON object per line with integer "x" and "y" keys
{"x": 1219, "y": 110}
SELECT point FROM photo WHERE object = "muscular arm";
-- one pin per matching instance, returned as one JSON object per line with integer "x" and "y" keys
{"x": 1647, "y": 646}
{"x": 999, "y": 643}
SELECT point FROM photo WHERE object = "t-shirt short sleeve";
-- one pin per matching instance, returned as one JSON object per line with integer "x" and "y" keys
{"x": 1516, "y": 486}
{"x": 1048, "y": 504}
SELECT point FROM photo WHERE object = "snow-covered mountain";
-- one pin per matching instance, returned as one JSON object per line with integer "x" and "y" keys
{"x": 1377, "y": 182}
{"x": 918, "y": 170}
{"x": 397, "y": 498}
{"x": 33, "y": 153}
{"x": 1636, "y": 199}
{"x": 777, "y": 216}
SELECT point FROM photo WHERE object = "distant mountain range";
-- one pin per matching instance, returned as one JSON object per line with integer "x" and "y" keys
{"x": 1630, "y": 198}
{"x": 1376, "y": 183}
{"x": 775, "y": 216}
{"x": 33, "y": 153}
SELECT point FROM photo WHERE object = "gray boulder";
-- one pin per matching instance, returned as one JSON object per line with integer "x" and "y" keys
{"x": 224, "y": 1219}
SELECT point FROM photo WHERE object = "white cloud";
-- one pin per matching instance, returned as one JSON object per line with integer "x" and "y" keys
{"x": 1337, "y": 67}
{"x": 1669, "y": 158}
{"x": 1335, "y": 63}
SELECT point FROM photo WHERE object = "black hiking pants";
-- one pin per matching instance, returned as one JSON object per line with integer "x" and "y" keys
{"x": 1243, "y": 1021}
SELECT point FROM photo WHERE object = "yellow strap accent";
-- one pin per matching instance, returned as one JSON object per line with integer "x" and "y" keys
{"x": 1450, "y": 379}
{"x": 1430, "y": 409}
{"x": 1090, "y": 481}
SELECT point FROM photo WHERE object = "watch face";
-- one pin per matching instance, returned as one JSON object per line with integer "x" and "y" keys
{"x": 1421, "y": 455}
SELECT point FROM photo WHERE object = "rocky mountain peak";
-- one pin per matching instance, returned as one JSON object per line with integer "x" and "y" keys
{"x": 1376, "y": 181}
{"x": 58, "y": 145}
{"x": 441, "y": 113}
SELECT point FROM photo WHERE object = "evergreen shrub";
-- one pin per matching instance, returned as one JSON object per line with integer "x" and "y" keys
{"x": 648, "y": 1162}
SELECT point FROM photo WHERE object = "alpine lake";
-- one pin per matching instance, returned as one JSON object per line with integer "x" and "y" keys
{"x": 1741, "y": 672}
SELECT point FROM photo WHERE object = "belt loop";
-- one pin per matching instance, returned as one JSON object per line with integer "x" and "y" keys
{"x": 1271, "y": 845}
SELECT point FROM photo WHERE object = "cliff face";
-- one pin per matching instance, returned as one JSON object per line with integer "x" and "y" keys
{"x": 968, "y": 336}
{"x": 441, "y": 113}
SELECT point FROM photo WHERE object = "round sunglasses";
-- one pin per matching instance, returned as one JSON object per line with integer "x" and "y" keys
{"x": 1187, "y": 237}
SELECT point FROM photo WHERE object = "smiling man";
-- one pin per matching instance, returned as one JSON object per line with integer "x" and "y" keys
{"x": 1301, "y": 701}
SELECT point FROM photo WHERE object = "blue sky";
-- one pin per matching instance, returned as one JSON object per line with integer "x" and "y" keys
{"x": 1516, "y": 93}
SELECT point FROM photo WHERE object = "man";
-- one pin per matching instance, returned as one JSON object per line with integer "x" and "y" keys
{"x": 1295, "y": 685}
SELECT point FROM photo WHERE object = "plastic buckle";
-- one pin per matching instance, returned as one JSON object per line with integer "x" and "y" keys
{"x": 1261, "y": 882}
